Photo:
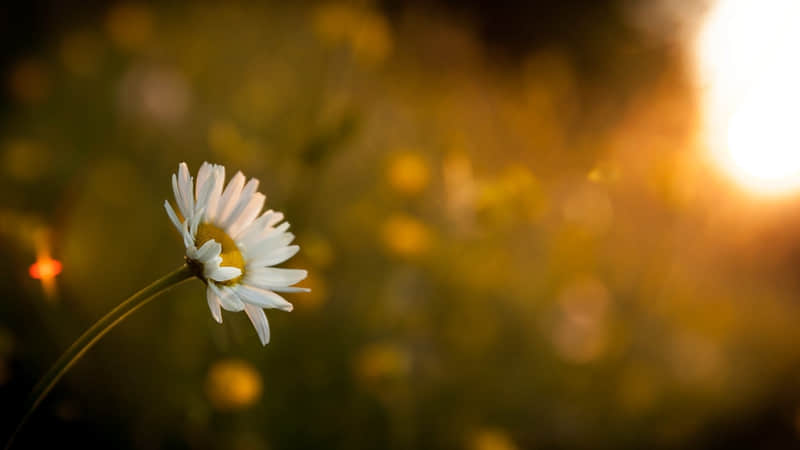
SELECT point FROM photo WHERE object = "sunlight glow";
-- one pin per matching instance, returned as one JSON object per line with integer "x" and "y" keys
{"x": 750, "y": 71}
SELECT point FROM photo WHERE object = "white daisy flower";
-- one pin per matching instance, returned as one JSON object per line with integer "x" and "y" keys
{"x": 230, "y": 247}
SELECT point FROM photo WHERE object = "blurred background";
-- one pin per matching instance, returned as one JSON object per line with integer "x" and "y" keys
{"x": 544, "y": 224}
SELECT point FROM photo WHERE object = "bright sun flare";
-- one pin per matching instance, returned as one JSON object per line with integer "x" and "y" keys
{"x": 749, "y": 59}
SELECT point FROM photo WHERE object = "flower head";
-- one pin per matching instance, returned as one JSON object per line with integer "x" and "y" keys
{"x": 230, "y": 246}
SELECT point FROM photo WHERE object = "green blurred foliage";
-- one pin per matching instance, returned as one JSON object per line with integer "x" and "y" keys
{"x": 500, "y": 257}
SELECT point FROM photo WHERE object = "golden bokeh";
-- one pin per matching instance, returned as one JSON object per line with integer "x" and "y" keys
{"x": 382, "y": 360}
{"x": 233, "y": 384}
{"x": 491, "y": 439}
{"x": 408, "y": 173}
{"x": 364, "y": 31}
{"x": 404, "y": 235}
{"x": 130, "y": 25}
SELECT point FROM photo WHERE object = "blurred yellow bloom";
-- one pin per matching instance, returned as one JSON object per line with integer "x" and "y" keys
{"x": 408, "y": 173}
{"x": 515, "y": 194}
{"x": 492, "y": 439}
{"x": 233, "y": 384}
{"x": 130, "y": 25}
{"x": 223, "y": 136}
{"x": 366, "y": 32}
{"x": 317, "y": 250}
{"x": 405, "y": 235}
{"x": 382, "y": 360}
{"x": 226, "y": 141}
{"x": 316, "y": 297}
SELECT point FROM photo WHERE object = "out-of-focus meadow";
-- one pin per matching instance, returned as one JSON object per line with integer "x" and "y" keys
{"x": 509, "y": 246}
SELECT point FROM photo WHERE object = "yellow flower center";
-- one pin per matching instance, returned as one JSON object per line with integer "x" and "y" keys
{"x": 231, "y": 256}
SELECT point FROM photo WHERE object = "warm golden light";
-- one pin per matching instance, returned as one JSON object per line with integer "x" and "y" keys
{"x": 749, "y": 67}
{"x": 45, "y": 269}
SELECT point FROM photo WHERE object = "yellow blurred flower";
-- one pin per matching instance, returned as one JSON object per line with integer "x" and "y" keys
{"x": 223, "y": 136}
{"x": 130, "y": 25}
{"x": 233, "y": 384}
{"x": 408, "y": 173}
{"x": 364, "y": 31}
{"x": 405, "y": 236}
{"x": 382, "y": 360}
{"x": 516, "y": 192}
{"x": 317, "y": 250}
{"x": 492, "y": 439}
{"x": 227, "y": 143}
{"x": 316, "y": 297}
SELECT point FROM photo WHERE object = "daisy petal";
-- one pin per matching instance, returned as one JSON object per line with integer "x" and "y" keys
{"x": 204, "y": 192}
{"x": 188, "y": 239}
{"x": 290, "y": 289}
{"x": 227, "y": 298}
{"x": 172, "y": 216}
{"x": 213, "y": 303}
{"x": 185, "y": 187}
{"x": 230, "y": 197}
{"x": 210, "y": 249}
{"x": 270, "y": 277}
{"x": 178, "y": 197}
{"x": 273, "y": 240}
{"x": 275, "y": 257}
{"x": 216, "y": 192}
{"x": 244, "y": 199}
{"x": 211, "y": 265}
{"x": 262, "y": 298}
{"x": 202, "y": 177}
{"x": 248, "y": 214}
{"x": 259, "y": 320}
{"x": 225, "y": 273}
{"x": 259, "y": 228}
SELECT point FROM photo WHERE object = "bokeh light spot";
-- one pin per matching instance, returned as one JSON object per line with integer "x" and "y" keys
{"x": 233, "y": 384}
{"x": 492, "y": 439}
{"x": 130, "y": 25}
{"x": 45, "y": 269}
{"x": 408, "y": 173}
{"x": 405, "y": 236}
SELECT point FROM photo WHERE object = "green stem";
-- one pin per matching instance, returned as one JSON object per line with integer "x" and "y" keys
{"x": 92, "y": 335}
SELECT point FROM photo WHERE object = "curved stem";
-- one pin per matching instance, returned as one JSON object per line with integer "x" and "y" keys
{"x": 92, "y": 335}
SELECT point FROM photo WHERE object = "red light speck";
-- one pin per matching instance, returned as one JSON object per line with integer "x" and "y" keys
{"x": 45, "y": 269}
